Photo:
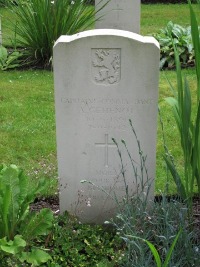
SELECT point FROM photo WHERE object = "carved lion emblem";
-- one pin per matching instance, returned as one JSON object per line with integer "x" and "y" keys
{"x": 106, "y": 65}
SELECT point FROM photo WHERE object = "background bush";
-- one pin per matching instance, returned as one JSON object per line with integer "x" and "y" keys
{"x": 174, "y": 34}
{"x": 40, "y": 23}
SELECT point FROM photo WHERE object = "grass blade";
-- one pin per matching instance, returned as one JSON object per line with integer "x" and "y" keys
{"x": 155, "y": 253}
{"x": 166, "y": 262}
{"x": 196, "y": 44}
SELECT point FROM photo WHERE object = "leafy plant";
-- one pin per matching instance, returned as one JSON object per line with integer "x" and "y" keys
{"x": 15, "y": 217}
{"x": 41, "y": 23}
{"x": 9, "y": 60}
{"x": 181, "y": 37}
{"x": 79, "y": 245}
{"x": 16, "y": 249}
{"x": 15, "y": 198}
{"x": 155, "y": 252}
{"x": 187, "y": 116}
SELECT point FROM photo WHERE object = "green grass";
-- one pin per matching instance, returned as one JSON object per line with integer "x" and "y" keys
{"x": 154, "y": 17}
{"x": 27, "y": 124}
{"x": 27, "y": 116}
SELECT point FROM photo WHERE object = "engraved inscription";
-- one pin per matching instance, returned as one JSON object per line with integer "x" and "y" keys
{"x": 107, "y": 113}
{"x": 106, "y": 145}
{"x": 107, "y": 101}
{"x": 106, "y": 66}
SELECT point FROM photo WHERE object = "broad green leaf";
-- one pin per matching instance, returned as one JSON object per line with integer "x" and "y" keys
{"x": 162, "y": 62}
{"x": 10, "y": 179}
{"x": 35, "y": 257}
{"x": 13, "y": 58}
{"x": 24, "y": 192}
{"x": 3, "y": 54}
{"x": 11, "y": 66}
{"x": 6, "y": 201}
{"x": 38, "y": 224}
{"x": 13, "y": 246}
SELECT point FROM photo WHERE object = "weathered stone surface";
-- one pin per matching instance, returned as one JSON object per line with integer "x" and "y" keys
{"x": 103, "y": 78}
{"x": 118, "y": 14}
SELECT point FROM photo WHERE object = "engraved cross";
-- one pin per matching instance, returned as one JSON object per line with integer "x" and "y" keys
{"x": 106, "y": 145}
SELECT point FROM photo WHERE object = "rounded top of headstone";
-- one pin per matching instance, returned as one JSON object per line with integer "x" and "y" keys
{"x": 108, "y": 32}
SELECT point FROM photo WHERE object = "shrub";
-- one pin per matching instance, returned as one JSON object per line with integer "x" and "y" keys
{"x": 9, "y": 60}
{"x": 181, "y": 37}
{"x": 41, "y": 23}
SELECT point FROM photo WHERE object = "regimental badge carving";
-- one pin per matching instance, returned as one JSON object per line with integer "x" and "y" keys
{"x": 106, "y": 65}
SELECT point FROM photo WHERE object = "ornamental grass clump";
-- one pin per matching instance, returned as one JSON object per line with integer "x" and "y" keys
{"x": 160, "y": 236}
{"x": 187, "y": 117}
{"x": 40, "y": 23}
{"x": 156, "y": 233}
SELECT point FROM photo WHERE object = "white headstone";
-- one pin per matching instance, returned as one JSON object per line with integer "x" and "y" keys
{"x": 103, "y": 78}
{"x": 118, "y": 14}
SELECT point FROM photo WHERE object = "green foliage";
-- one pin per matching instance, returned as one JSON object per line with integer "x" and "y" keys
{"x": 140, "y": 218}
{"x": 35, "y": 257}
{"x": 157, "y": 225}
{"x": 15, "y": 217}
{"x": 15, "y": 198}
{"x": 181, "y": 37}
{"x": 3, "y": 3}
{"x": 14, "y": 246}
{"x": 9, "y": 60}
{"x": 79, "y": 245}
{"x": 36, "y": 224}
{"x": 15, "y": 251}
{"x": 41, "y": 23}
{"x": 155, "y": 252}
{"x": 187, "y": 124}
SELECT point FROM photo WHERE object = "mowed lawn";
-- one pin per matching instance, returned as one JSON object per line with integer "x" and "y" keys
{"x": 27, "y": 113}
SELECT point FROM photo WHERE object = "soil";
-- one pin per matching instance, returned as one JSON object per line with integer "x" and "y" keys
{"x": 53, "y": 204}
{"x": 49, "y": 202}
